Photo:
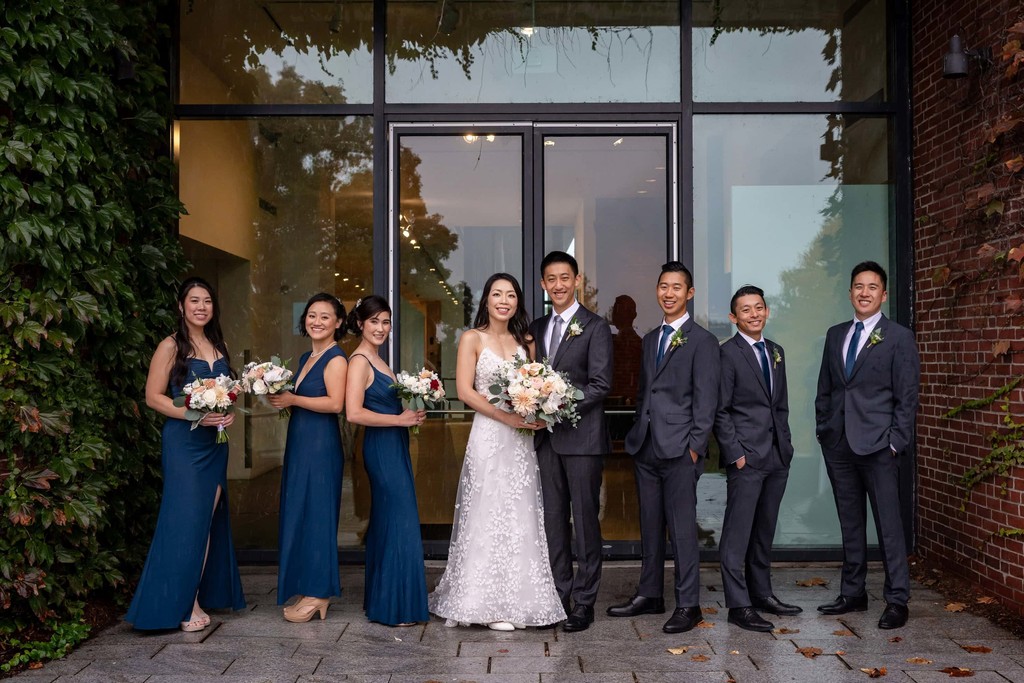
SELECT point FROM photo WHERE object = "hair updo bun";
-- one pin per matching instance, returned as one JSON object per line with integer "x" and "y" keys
{"x": 366, "y": 308}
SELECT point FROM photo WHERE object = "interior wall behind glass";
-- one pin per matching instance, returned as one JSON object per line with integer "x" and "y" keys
{"x": 254, "y": 52}
{"x": 469, "y": 51}
{"x": 790, "y": 50}
{"x": 278, "y": 210}
{"x": 776, "y": 207}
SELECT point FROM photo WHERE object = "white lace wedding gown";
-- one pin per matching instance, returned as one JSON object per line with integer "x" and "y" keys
{"x": 498, "y": 566}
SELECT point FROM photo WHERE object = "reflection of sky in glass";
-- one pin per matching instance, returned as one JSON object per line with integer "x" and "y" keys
{"x": 638, "y": 64}
{"x": 745, "y": 66}
{"x": 352, "y": 72}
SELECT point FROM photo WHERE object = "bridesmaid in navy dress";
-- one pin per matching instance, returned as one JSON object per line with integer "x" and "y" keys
{"x": 396, "y": 590}
{"x": 311, "y": 480}
{"x": 192, "y": 557}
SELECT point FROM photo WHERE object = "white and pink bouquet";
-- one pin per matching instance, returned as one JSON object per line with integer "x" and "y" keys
{"x": 535, "y": 391}
{"x": 271, "y": 377}
{"x": 212, "y": 395}
{"x": 419, "y": 390}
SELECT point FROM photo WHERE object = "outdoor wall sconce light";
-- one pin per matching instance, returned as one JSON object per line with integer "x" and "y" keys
{"x": 955, "y": 63}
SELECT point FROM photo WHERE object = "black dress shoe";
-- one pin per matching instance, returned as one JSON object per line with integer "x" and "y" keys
{"x": 844, "y": 604}
{"x": 748, "y": 618}
{"x": 682, "y": 620}
{"x": 894, "y": 616}
{"x": 773, "y": 605}
{"x": 637, "y": 605}
{"x": 580, "y": 619}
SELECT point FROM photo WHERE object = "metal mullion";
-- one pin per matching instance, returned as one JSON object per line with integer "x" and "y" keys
{"x": 881, "y": 108}
{"x": 229, "y": 111}
{"x": 683, "y": 167}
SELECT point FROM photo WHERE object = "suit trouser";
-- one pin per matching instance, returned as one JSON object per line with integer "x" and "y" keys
{"x": 875, "y": 476}
{"x": 667, "y": 491}
{"x": 571, "y": 485}
{"x": 751, "y": 513}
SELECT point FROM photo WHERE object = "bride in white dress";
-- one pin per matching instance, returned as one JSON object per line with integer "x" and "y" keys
{"x": 498, "y": 571}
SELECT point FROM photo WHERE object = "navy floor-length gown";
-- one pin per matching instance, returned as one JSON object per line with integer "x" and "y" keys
{"x": 310, "y": 494}
{"x": 396, "y": 587}
{"x": 194, "y": 465}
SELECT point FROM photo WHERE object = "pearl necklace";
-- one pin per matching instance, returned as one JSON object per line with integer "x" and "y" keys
{"x": 322, "y": 351}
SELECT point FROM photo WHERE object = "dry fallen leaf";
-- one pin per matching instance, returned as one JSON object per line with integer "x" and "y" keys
{"x": 956, "y": 607}
{"x": 918, "y": 660}
{"x": 875, "y": 673}
{"x": 503, "y": 651}
{"x": 35, "y": 665}
{"x": 957, "y": 672}
{"x": 986, "y": 600}
{"x": 840, "y": 652}
{"x": 706, "y": 624}
{"x": 699, "y": 658}
{"x": 678, "y": 650}
{"x": 786, "y": 631}
{"x": 815, "y": 581}
{"x": 843, "y": 632}
{"x": 709, "y": 610}
{"x": 734, "y": 652}
{"x": 896, "y": 639}
{"x": 977, "y": 649}
{"x": 809, "y": 652}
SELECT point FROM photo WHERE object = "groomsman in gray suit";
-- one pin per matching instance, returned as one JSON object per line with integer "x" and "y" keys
{"x": 571, "y": 459}
{"x": 675, "y": 413}
{"x": 752, "y": 429}
{"x": 865, "y": 409}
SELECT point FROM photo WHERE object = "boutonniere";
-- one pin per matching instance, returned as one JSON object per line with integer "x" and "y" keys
{"x": 677, "y": 339}
{"x": 575, "y": 327}
{"x": 776, "y": 357}
{"x": 876, "y": 337}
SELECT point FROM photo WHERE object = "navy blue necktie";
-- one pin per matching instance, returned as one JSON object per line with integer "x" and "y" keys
{"x": 666, "y": 332}
{"x": 765, "y": 370}
{"x": 851, "y": 353}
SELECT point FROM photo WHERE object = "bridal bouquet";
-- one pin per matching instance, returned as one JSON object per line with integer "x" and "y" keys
{"x": 536, "y": 391}
{"x": 213, "y": 395}
{"x": 271, "y": 377}
{"x": 419, "y": 390}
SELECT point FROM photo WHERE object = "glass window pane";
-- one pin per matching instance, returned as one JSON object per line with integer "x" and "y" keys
{"x": 606, "y": 202}
{"x": 777, "y": 208}
{"x": 278, "y": 210}
{"x": 249, "y": 52}
{"x": 460, "y": 220}
{"x": 533, "y": 51}
{"x": 790, "y": 50}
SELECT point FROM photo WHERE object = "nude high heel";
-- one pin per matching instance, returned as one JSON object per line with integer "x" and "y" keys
{"x": 303, "y": 610}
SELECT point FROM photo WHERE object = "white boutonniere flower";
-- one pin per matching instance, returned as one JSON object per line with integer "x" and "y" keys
{"x": 575, "y": 327}
{"x": 776, "y": 357}
{"x": 876, "y": 337}
{"x": 677, "y": 339}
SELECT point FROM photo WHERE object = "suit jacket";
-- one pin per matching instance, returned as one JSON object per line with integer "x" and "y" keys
{"x": 587, "y": 361}
{"x": 751, "y": 418}
{"x": 877, "y": 406}
{"x": 677, "y": 400}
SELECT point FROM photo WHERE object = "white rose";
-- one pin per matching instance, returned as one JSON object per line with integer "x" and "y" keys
{"x": 209, "y": 397}
{"x": 259, "y": 387}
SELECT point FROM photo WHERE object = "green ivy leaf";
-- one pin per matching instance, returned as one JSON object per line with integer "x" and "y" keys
{"x": 36, "y": 75}
{"x": 83, "y": 306}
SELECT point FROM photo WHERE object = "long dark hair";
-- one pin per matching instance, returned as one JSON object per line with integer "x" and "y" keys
{"x": 339, "y": 312}
{"x": 519, "y": 324}
{"x": 366, "y": 308}
{"x": 183, "y": 342}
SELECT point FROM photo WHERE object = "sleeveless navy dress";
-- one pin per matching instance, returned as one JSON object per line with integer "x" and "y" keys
{"x": 194, "y": 465}
{"x": 310, "y": 494}
{"x": 396, "y": 587}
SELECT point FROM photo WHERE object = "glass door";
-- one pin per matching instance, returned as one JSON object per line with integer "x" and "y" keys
{"x": 468, "y": 201}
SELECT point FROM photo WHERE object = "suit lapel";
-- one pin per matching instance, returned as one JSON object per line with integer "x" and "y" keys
{"x": 542, "y": 332}
{"x": 838, "y": 337}
{"x": 670, "y": 351}
{"x": 753, "y": 361}
{"x": 882, "y": 328}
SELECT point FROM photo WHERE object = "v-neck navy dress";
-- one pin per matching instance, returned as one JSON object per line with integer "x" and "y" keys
{"x": 194, "y": 465}
{"x": 311, "y": 494}
{"x": 396, "y": 587}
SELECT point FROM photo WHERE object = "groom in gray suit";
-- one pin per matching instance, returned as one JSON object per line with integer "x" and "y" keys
{"x": 675, "y": 413}
{"x": 752, "y": 429}
{"x": 865, "y": 409}
{"x": 571, "y": 459}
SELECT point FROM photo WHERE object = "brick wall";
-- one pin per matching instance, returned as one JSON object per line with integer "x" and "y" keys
{"x": 960, "y": 316}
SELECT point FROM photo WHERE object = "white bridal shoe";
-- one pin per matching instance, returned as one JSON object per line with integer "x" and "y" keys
{"x": 501, "y": 626}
